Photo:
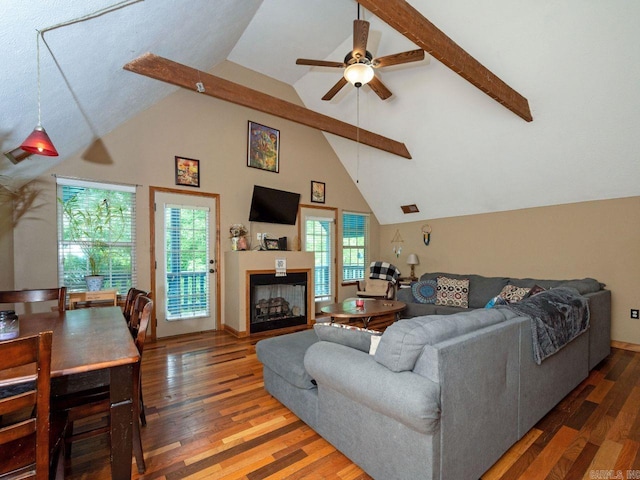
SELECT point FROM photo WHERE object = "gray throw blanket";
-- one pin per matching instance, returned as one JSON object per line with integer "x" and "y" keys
{"x": 557, "y": 316}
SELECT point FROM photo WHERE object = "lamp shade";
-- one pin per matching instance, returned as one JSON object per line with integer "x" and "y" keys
{"x": 39, "y": 143}
{"x": 412, "y": 259}
{"x": 358, "y": 74}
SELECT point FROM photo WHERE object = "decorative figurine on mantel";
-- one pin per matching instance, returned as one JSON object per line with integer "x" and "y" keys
{"x": 239, "y": 239}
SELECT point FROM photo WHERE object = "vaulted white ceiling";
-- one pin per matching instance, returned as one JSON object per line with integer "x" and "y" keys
{"x": 576, "y": 63}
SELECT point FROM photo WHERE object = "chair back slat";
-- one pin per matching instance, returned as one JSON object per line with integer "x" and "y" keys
{"x": 24, "y": 436}
{"x": 36, "y": 295}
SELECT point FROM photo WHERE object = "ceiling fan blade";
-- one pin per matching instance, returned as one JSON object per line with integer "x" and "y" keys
{"x": 360, "y": 36}
{"x": 319, "y": 63}
{"x": 378, "y": 87}
{"x": 398, "y": 58}
{"x": 335, "y": 89}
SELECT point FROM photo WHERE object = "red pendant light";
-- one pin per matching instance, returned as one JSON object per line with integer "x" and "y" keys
{"x": 39, "y": 142}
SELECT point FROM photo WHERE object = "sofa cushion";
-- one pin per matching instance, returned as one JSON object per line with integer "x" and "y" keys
{"x": 285, "y": 356}
{"x": 424, "y": 291}
{"x": 452, "y": 292}
{"x": 348, "y": 335}
{"x": 514, "y": 294}
{"x": 402, "y": 342}
{"x": 406, "y": 397}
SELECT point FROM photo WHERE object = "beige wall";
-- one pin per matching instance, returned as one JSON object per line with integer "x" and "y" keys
{"x": 6, "y": 240}
{"x": 598, "y": 239}
{"x": 187, "y": 124}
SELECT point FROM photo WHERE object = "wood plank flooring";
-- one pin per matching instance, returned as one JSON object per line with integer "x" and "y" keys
{"x": 210, "y": 417}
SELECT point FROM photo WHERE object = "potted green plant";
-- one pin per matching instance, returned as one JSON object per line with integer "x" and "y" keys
{"x": 92, "y": 226}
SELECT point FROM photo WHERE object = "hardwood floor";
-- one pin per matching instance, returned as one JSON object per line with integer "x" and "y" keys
{"x": 209, "y": 417}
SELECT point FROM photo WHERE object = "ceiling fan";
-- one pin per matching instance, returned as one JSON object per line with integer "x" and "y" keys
{"x": 359, "y": 64}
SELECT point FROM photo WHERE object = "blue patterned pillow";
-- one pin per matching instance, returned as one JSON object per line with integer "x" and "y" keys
{"x": 424, "y": 291}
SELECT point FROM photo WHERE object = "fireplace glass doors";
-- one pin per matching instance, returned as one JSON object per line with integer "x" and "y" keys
{"x": 277, "y": 302}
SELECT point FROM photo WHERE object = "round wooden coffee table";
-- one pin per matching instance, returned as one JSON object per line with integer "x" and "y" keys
{"x": 372, "y": 308}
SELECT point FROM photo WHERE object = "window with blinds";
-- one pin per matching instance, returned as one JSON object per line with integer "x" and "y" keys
{"x": 96, "y": 233}
{"x": 355, "y": 246}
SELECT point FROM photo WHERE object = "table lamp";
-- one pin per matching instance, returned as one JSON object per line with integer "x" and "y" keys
{"x": 412, "y": 260}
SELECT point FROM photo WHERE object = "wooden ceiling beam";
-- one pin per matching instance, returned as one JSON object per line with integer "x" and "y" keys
{"x": 412, "y": 24}
{"x": 168, "y": 71}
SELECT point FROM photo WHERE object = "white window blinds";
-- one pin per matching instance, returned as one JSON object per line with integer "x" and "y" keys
{"x": 355, "y": 245}
{"x": 96, "y": 233}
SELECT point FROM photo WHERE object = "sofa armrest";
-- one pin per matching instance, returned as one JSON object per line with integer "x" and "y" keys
{"x": 479, "y": 378}
{"x": 406, "y": 396}
{"x": 599, "y": 326}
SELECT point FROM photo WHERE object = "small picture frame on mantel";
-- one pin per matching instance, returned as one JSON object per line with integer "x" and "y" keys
{"x": 317, "y": 192}
{"x": 271, "y": 244}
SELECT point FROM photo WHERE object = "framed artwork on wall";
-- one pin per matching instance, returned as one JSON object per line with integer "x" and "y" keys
{"x": 263, "y": 147}
{"x": 317, "y": 191}
{"x": 187, "y": 172}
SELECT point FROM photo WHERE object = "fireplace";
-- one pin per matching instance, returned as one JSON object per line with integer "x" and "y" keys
{"x": 277, "y": 301}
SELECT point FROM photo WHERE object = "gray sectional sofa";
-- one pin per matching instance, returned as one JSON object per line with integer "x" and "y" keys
{"x": 444, "y": 396}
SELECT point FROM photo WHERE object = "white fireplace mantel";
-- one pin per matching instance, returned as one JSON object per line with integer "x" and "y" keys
{"x": 239, "y": 264}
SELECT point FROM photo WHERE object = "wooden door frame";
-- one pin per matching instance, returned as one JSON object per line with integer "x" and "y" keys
{"x": 335, "y": 242}
{"x": 152, "y": 247}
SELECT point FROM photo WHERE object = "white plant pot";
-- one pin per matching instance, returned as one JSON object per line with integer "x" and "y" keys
{"x": 94, "y": 282}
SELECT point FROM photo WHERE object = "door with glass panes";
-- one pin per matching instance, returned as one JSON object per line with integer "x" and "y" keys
{"x": 186, "y": 265}
{"x": 318, "y": 236}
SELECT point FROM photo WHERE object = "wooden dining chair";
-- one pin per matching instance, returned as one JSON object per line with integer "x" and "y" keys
{"x": 38, "y": 295}
{"x": 96, "y": 402}
{"x": 129, "y": 302}
{"x": 26, "y": 433}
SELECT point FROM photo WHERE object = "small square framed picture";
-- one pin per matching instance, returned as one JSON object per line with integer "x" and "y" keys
{"x": 317, "y": 191}
{"x": 187, "y": 172}
{"x": 271, "y": 244}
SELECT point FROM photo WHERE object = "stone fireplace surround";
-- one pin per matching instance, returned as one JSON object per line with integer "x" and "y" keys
{"x": 240, "y": 265}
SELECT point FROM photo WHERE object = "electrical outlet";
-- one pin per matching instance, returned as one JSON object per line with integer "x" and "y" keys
{"x": 635, "y": 313}
{"x": 259, "y": 236}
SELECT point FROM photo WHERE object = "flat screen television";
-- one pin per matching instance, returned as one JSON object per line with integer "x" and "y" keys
{"x": 269, "y": 205}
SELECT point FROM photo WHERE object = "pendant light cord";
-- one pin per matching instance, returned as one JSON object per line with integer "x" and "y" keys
{"x": 38, "y": 66}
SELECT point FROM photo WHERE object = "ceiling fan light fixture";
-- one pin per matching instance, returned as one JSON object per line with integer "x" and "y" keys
{"x": 358, "y": 74}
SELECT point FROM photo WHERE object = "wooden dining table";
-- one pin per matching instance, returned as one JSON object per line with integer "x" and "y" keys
{"x": 93, "y": 343}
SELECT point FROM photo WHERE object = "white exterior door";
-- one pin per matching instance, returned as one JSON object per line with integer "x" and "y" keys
{"x": 318, "y": 236}
{"x": 185, "y": 258}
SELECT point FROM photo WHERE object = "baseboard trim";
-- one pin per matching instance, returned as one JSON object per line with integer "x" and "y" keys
{"x": 633, "y": 347}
